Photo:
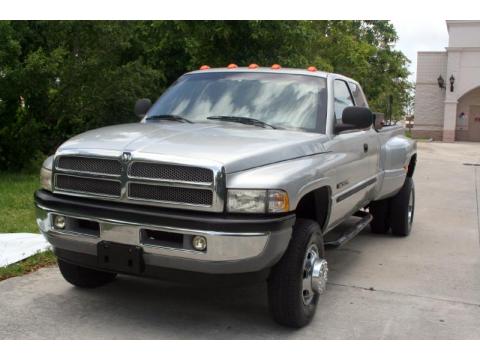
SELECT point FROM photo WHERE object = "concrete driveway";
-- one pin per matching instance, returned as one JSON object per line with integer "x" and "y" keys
{"x": 426, "y": 286}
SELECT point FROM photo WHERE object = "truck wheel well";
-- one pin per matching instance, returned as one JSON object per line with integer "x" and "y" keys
{"x": 411, "y": 165}
{"x": 315, "y": 206}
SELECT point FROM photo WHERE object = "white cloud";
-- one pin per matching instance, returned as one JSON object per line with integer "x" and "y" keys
{"x": 420, "y": 35}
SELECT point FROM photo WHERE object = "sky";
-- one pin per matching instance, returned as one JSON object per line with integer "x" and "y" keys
{"x": 420, "y": 35}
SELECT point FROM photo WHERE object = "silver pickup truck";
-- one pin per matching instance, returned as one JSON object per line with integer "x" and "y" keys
{"x": 234, "y": 173}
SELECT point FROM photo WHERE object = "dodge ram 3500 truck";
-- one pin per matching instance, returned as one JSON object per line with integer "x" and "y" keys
{"x": 238, "y": 172}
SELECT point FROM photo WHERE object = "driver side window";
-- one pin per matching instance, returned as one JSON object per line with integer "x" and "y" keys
{"x": 343, "y": 98}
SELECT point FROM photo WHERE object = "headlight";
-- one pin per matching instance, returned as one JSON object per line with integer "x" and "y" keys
{"x": 257, "y": 201}
{"x": 248, "y": 201}
{"x": 46, "y": 174}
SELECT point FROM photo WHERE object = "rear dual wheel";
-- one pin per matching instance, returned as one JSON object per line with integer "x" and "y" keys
{"x": 395, "y": 213}
{"x": 402, "y": 208}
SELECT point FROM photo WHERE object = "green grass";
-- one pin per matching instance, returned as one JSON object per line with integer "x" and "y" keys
{"x": 16, "y": 202}
{"x": 26, "y": 266}
{"x": 18, "y": 215}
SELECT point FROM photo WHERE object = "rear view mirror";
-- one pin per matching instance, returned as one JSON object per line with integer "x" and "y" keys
{"x": 142, "y": 106}
{"x": 355, "y": 118}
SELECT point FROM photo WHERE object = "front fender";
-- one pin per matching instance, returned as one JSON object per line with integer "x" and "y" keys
{"x": 297, "y": 177}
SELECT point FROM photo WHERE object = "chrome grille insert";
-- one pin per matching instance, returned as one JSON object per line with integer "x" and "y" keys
{"x": 170, "y": 194}
{"x": 88, "y": 185}
{"x": 90, "y": 165}
{"x": 170, "y": 172}
{"x": 165, "y": 182}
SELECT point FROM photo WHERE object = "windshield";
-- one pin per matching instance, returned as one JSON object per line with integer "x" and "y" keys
{"x": 280, "y": 100}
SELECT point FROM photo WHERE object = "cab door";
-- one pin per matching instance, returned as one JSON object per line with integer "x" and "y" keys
{"x": 357, "y": 156}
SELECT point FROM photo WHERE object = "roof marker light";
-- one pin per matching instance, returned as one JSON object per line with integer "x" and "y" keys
{"x": 232, "y": 66}
{"x": 312, "y": 68}
{"x": 204, "y": 67}
{"x": 276, "y": 67}
{"x": 253, "y": 66}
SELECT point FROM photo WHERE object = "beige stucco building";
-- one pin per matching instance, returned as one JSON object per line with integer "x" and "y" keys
{"x": 450, "y": 112}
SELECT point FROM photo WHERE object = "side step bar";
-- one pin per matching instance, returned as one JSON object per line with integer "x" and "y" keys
{"x": 349, "y": 231}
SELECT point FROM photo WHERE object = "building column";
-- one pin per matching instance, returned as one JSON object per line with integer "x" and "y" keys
{"x": 449, "y": 121}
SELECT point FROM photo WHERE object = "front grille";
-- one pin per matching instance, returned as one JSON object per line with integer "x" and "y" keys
{"x": 92, "y": 165}
{"x": 170, "y": 194}
{"x": 139, "y": 181}
{"x": 170, "y": 172}
{"x": 87, "y": 185}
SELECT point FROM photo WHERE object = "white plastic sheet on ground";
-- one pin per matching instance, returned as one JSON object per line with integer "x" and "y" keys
{"x": 16, "y": 247}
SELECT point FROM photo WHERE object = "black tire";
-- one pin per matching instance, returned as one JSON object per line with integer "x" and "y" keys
{"x": 84, "y": 277}
{"x": 380, "y": 223}
{"x": 399, "y": 209}
{"x": 285, "y": 281}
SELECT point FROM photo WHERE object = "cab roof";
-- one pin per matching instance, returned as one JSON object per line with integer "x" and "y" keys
{"x": 281, "y": 70}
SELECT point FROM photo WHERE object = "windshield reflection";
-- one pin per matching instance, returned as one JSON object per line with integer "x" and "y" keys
{"x": 282, "y": 100}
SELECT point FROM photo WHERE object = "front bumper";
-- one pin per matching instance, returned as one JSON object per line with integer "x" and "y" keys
{"x": 235, "y": 244}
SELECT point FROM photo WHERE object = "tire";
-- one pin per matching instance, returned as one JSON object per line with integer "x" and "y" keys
{"x": 84, "y": 277}
{"x": 401, "y": 205}
{"x": 286, "y": 294}
{"x": 380, "y": 223}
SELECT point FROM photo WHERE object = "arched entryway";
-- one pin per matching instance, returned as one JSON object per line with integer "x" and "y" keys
{"x": 468, "y": 116}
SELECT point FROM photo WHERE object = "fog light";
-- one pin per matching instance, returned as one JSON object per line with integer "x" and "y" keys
{"x": 199, "y": 242}
{"x": 59, "y": 222}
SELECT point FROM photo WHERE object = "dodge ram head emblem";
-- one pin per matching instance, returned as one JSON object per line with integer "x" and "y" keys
{"x": 126, "y": 156}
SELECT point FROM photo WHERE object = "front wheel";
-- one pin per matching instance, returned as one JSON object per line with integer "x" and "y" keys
{"x": 84, "y": 277}
{"x": 299, "y": 277}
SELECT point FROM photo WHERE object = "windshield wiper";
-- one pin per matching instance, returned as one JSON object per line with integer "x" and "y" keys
{"x": 170, "y": 117}
{"x": 242, "y": 120}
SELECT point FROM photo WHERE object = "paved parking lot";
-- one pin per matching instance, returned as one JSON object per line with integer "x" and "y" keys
{"x": 426, "y": 286}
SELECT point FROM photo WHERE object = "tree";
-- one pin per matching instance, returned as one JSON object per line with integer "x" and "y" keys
{"x": 78, "y": 75}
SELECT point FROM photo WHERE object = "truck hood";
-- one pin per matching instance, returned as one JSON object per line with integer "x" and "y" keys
{"x": 235, "y": 146}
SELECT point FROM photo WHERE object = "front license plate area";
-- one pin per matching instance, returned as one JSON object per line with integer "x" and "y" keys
{"x": 120, "y": 257}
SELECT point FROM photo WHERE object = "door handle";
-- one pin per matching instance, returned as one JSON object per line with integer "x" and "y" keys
{"x": 365, "y": 147}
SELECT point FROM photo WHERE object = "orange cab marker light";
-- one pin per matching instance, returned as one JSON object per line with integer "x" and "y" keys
{"x": 312, "y": 68}
{"x": 276, "y": 67}
{"x": 253, "y": 66}
{"x": 204, "y": 67}
{"x": 232, "y": 66}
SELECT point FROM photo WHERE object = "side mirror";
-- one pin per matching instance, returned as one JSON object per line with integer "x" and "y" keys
{"x": 355, "y": 118}
{"x": 142, "y": 106}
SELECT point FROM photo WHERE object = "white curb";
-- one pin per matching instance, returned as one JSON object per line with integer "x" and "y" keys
{"x": 19, "y": 246}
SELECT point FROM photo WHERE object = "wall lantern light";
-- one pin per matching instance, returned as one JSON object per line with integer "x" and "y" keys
{"x": 441, "y": 82}
{"x": 452, "y": 81}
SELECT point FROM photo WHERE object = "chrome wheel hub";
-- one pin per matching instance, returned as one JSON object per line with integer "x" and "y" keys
{"x": 314, "y": 276}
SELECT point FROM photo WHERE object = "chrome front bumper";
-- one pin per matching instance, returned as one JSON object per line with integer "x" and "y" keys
{"x": 227, "y": 252}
